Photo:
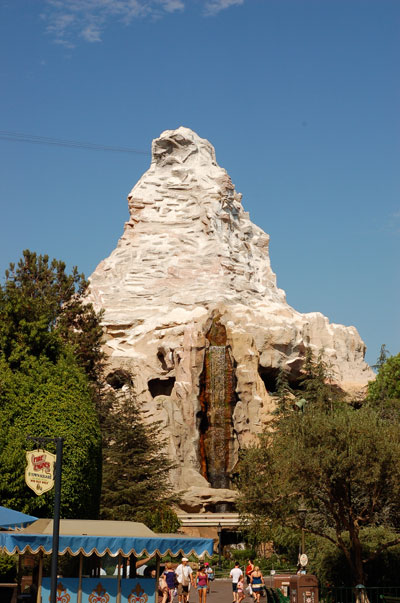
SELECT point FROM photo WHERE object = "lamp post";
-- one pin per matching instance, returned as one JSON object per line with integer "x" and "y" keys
{"x": 302, "y": 510}
{"x": 40, "y": 442}
{"x": 219, "y": 531}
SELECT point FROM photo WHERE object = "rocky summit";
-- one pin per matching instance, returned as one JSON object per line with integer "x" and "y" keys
{"x": 194, "y": 319}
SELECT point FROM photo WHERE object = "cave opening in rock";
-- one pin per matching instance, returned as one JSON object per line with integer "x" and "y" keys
{"x": 269, "y": 376}
{"x": 161, "y": 387}
{"x": 217, "y": 398}
{"x": 118, "y": 378}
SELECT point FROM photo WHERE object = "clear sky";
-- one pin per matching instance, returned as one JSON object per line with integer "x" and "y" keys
{"x": 299, "y": 97}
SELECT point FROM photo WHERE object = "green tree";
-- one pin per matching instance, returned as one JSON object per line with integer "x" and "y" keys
{"x": 342, "y": 463}
{"x": 284, "y": 393}
{"x": 316, "y": 383}
{"x": 383, "y": 356}
{"x": 49, "y": 399}
{"x": 387, "y": 383}
{"x": 136, "y": 481}
{"x": 42, "y": 308}
{"x": 50, "y": 356}
{"x": 329, "y": 563}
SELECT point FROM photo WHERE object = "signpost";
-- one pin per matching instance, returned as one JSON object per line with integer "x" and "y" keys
{"x": 39, "y": 471}
{"x": 39, "y": 475}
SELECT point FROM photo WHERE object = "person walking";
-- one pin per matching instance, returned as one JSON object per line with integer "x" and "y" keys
{"x": 257, "y": 583}
{"x": 170, "y": 579}
{"x": 202, "y": 583}
{"x": 240, "y": 590}
{"x": 235, "y": 574}
{"x": 184, "y": 575}
{"x": 249, "y": 570}
{"x": 162, "y": 589}
{"x": 211, "y": 575}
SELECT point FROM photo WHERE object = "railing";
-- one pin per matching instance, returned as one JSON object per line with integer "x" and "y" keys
{"x": 345, "y": 594}
{"x": 223, "y": 573}
{"x": 227, "y": 520}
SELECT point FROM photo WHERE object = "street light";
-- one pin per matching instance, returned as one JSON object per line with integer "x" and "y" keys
{"x": 300, "y": 404}
{"x": 219, "y": 530}
{"x": 302, "y": 511}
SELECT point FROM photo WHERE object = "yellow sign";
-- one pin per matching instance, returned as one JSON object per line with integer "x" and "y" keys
{"x": 39, "y": 472}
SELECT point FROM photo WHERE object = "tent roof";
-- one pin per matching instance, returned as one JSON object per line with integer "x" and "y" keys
{"x": 13, "y": 519}
{"x": 100, "y": 538}
{"x": 91, "y": 527}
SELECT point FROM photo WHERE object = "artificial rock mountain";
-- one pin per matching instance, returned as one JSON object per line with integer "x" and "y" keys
{"x": 193, "y": 315}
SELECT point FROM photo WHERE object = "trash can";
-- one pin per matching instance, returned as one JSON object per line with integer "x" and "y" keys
{"x": 303, "y": 588}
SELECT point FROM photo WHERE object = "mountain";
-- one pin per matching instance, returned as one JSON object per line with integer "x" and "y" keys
{"x": 193, "y": 315}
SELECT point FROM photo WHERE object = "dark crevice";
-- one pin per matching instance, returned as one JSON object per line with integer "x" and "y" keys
{"x": 161, "y": 387}
{"x": 161, "y": 358}
{"x": 118, "y": 378}
{"x": 269, "y": 376}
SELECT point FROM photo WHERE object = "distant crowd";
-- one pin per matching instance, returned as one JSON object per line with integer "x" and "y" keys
{"x": 177, "y": 582}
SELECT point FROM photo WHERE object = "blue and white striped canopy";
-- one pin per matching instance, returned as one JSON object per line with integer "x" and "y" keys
{"x": 101, "y": 538}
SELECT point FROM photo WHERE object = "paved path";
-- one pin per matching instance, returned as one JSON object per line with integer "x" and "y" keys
{"x": 221, "y": 592}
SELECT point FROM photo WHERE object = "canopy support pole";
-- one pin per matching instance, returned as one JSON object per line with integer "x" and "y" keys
{"x": 158, "y": 559}
{"x": 19, "y": 573}
{"x": 40, "y": 575}
{"x": 80, "y": 578}
{"x": 119, "y": 579}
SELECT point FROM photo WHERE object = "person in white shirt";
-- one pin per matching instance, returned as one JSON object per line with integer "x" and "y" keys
{"x": 184, "y": 575}
{"x": 235, "y": 574}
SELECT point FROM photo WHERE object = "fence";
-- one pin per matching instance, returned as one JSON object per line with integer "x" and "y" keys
{"x": 223, "y": 572}
{"x": 346, "y": 594}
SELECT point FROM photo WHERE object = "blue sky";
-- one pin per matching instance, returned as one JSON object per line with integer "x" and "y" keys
{"x": 299, "y": 97}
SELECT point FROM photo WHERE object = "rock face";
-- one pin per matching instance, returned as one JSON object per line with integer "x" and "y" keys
{"x": 194, "y": 315}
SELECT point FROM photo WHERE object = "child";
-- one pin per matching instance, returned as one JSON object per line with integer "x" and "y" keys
{"x": 170, "y": 579}
{"x": 240, "y": 590}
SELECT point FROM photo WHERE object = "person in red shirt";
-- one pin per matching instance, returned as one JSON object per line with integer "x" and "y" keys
{"x": 249, "y": 571}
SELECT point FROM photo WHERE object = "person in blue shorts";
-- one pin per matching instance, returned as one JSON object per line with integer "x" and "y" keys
{"x": 235, "y": 574}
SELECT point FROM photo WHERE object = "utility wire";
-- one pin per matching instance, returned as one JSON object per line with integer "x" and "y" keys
{"x": 59, "y": 142}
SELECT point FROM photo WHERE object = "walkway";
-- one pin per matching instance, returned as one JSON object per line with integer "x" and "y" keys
{"x": 221, "y": 592}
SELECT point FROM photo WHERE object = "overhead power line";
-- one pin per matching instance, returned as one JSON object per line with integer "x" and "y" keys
{"x": 59, "y": 142}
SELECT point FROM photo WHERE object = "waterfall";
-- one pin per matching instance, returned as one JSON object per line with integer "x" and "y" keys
{"x": 218, "y": 434}
{"x": 217, "y": 399}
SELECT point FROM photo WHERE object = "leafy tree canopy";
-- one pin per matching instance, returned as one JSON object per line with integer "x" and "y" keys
{"x": 342, "y": 463}
{"x": 387, "y": 383}
{"x": 41, "y": 309}
{"x": 49, "y": 350}
{"x": 49, "y": 399}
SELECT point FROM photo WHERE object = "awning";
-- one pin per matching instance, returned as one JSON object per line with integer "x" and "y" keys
{"x": 14, "y": 519}
{"x": 100, "y": 538}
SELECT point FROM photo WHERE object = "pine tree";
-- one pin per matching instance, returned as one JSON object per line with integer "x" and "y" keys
{"x": 136, "y": 482}
{"x": 315, "y": 385}
{"x": 284, "y": 393}
{"x": 383, "y": 356}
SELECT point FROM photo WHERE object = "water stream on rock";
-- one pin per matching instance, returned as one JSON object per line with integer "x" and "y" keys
{"x": 217, "y": 398}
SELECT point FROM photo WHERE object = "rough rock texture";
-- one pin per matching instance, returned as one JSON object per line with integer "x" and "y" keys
{"x": 193, "y": 313}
